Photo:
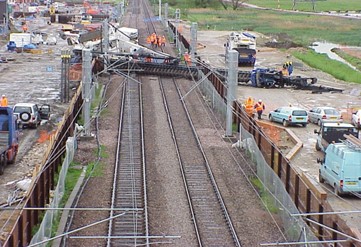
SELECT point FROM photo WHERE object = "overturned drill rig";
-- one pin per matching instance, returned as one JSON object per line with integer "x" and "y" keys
{"x": 270, "y": 78}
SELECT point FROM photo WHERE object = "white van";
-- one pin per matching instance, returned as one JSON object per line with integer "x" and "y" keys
{"x": 341, "y": 167}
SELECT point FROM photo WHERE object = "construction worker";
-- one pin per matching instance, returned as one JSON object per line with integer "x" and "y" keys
{"x": 159, "y": 41}
{"x": 248, "y": 104}
{"x": 289, "y": 67}
{"x": 25, "y": 27}
{"x": 149, "y": 39}
{"x": 187, "y": 58}
{"x": 260, "y": 107}
{"x": 3, "y": 101}
{"x": 284, "y": 70}
{"x": 163, "y": 41}
{"x": 153, "y": 40}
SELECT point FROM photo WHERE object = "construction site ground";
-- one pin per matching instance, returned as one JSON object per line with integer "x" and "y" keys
{"x": 31, "y": 78}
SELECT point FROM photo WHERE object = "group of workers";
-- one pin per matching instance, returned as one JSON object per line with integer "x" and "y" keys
{"x": 287, "y": 68}
{"x": 3, "y": 101}
{"x": 156, "y": 40}
{"x": 251, "y": 106}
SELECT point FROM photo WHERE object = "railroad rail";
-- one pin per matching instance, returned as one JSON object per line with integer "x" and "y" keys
{"x": 211, "y": 220}
{"x": 129, "y": 185}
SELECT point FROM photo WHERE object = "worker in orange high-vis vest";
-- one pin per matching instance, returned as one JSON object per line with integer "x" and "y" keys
{"x": 25, "y": 28}
{"x": 187, "y": 58}
{"x": 260, "y": 107}
{"x": 248, "y": 104}
{"x": 3, "y": 101}
{"x": 149, "y": 38}
{"x": 163, "y": 41}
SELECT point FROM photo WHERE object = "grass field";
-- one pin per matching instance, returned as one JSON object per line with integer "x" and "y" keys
{"x": 324, "y": 5}
{"x": 301, "y": 28}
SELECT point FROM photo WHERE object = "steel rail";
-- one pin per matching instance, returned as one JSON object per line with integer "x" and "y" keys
{"x": 116, "y": 165}
{"x": 129, "y": 186}
{"x": 210, "y": 173}
{"x": 186, "y": 187}
{"x": 206, "y": 208}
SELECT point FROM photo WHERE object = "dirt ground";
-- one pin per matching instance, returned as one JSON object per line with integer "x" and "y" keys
{"x": 31, "y": 78}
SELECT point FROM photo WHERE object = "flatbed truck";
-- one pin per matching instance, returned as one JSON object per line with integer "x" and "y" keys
{"x": 9, "y": 138}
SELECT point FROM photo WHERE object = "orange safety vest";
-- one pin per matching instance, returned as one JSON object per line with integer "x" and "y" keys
{"x": 187, "y": 58}
{"x": 259, "y": 106}
{"x": 249, "y": 102}
{"x": 4, "y": 102}
{"x": 163, "y": 40}
{"x": 149, "y": 40}
{"x": 153, "y": 38}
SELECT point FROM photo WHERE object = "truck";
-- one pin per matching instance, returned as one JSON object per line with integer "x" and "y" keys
{"x": 333, "y": 133}
{"x": 245, "y": 44}
{"x": 9, "y": 138}
{"x": 341, "y": 166}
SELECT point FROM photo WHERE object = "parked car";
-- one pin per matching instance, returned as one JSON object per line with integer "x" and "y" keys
{"x": 29, "y": 114}
{"x": 289, "y": 116}
{"x": 356, "y": 119}
{"x": 318, "y": 115}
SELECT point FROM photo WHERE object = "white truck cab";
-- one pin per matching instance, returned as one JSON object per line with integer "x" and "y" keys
{"x": 333, "y": 133}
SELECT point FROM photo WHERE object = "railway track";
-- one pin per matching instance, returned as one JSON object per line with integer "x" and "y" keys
{"x": 129, "y": 185}
{"x": 211, "y": 220}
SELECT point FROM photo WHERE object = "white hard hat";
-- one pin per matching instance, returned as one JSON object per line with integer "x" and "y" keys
{"x": 259, "y": 100}
{"x": 3, "y": 95}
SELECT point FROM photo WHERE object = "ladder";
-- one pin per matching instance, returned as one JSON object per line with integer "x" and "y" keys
{"x": 352, "y": 142}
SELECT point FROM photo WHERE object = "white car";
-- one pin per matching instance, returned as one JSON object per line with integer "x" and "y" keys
{"x": 51, "y": 40}
{"x": 29, "y": 114}
{"x": 356, "y": 119}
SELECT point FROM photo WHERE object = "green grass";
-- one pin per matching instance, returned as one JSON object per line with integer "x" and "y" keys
{"x": 266, "y": 197}
{"x": 70, "y": 182}
{"x": 355, "y": 61}
{"x": 325, "y": 5}
{"x": 335, "y": 68}
{"x": 95, "y": 168}
{"x": 303, "y": 29}
{"x": 96, "y": 101}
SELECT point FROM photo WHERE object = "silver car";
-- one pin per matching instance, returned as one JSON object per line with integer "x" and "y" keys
{"x": 318, "y": 115}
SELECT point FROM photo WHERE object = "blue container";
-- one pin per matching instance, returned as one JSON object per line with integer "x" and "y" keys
{"x": 11, "y": 46}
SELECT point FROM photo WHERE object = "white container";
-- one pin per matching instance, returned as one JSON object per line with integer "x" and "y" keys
{"x": 21, "y": 39}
